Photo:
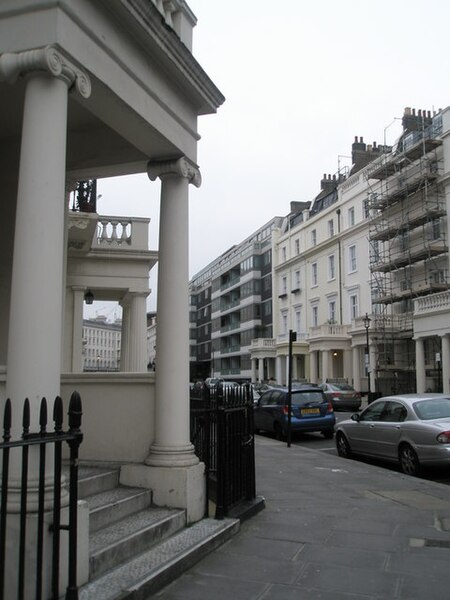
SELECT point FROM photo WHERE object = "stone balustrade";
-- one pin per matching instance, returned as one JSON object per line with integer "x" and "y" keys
{"x": 263, "y": 343}
{"x": 329, "y": 329}
{"x": 121, "y": 232}
{"x": 432, "y": 303}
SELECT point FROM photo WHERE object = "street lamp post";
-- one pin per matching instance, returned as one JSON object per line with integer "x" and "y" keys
{"x": 366, "y": 322}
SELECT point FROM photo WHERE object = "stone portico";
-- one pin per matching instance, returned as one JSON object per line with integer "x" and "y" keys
{"x": 91, "y": 90}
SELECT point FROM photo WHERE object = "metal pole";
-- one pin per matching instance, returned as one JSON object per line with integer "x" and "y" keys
{"x": 292, "y": 338}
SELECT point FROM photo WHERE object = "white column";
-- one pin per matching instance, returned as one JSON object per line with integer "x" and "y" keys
{"x": 278, "y": 370}
{"x": 137, "y": 338}
{"x": 295, "y": 367}
{"x": 37, "y": 283}
{"x": 356, "y": 369}
{"x": 37, "y": 276}
{"x": 420, "y": 366}
{"x": 77, "y": 330}
{"x": 313, "y": 367}
{"x": 171, "y": 446}
{"x": 326, "y": 365}
{"x": 445, "y": 362}
{"x": 125, "y": 335}
{"x": 347, "y": 365}
{"x": 261, "y": 369}
{"x": 253, "y": 363}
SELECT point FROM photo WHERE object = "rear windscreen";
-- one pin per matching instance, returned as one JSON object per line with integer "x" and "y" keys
{"x": 434, "y": 408}
{"x": 301, "y": 398}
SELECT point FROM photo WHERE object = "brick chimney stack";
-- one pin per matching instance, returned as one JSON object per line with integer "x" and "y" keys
{"x": 415, "y": 122}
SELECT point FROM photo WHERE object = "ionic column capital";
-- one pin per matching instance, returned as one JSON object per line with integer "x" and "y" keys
{"x": 46, "y": 60}
{"x": 182, "y": 167}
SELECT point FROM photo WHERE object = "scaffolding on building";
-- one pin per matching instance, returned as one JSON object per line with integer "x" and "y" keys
{"x": 407, "y": 243}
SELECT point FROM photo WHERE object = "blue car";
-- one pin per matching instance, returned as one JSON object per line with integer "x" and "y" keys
{"x": 311, "y": 411}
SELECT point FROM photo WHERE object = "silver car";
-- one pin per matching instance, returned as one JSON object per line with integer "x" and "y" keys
{"x": 412, "y": 429}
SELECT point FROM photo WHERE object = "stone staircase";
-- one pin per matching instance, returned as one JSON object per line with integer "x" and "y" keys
{"x": 136, "y": 548}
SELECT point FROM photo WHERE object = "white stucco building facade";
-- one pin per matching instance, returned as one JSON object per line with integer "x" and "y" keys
{"x": 374, "y": 242}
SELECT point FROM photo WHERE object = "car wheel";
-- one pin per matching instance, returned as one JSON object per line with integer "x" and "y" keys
{"x": 342, "y": 445}
{"x": 328, "y": 434}
{"x": 278, "y": 430}
{"x": 409, "y": 461}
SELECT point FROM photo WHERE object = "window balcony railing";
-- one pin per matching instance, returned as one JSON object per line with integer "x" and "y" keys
{"x": 329, "y": 329}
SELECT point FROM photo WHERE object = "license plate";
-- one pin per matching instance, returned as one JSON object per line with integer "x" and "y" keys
{"x": 310, "y": 411}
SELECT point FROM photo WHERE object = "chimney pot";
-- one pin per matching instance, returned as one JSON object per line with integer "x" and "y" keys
{"x": 356, "y": 139}
{"x": 360, "y": 140}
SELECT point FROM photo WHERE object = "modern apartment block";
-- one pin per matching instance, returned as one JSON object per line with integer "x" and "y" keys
{"x": 230, "y": 305}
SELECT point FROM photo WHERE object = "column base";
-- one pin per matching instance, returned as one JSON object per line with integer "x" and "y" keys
{"x": 177, "y": 487}
{"x": 172, "y": 456}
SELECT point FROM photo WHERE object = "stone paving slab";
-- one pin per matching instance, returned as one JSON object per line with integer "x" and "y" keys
{"x": 332, "y": 529}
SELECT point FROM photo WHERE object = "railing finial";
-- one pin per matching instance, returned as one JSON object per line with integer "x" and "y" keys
{"x": 75, "y": 412}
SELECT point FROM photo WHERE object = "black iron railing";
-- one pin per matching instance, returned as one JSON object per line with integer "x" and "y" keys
{"x": 42, "y": 439}
{"x": 85, "y": 197}
{"x": 222, "y": 435}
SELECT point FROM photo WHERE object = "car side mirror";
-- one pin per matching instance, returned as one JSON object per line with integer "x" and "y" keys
{"x": 355, "y": 417}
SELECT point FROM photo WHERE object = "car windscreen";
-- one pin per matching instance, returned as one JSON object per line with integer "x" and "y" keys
{"x": 300, "y": 398}
{"x": 433, "y": 408}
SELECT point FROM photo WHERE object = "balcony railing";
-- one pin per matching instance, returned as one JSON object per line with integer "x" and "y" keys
{"x": 432, "y": 303}
{"x": 329, "y": 329}
{"x": 263, "y": 343}
{"x": 91, "y": 231}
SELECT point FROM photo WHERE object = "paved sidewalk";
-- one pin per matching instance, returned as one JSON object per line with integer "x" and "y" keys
{"x": 332, "y": 529}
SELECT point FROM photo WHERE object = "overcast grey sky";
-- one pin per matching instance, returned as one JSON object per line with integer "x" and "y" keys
{"x": 301, "y": 80}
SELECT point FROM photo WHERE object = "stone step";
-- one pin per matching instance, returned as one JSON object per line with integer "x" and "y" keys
{"x": 119, "y": 542}
{"x": 93, "y": 480}
{"x": 155, "y": 568}
{"x": 115, "y": 504}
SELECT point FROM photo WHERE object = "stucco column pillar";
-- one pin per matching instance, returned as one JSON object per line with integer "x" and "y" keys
{"x": 253, "y": 364}
{"x": 278, "y": 370}
{"x": 326, "y": 355}
{"x": 77, "y": 329}
{"x": 136, "y": 336}
{"x": 125, "y": 335}
{"x": 37, "y": 273}
{"x": 260, "y": 369}
{"x": 356, "y": 369}
{"x": 313, "y": 367}
{"x": 171, "y": 446}
{"x": 445, "y": 364}
{"x": 420, "y": 366}
{"x": 37, "y": 283}
{"x": 347, "y": 365}
{"x": 172, "y": 470}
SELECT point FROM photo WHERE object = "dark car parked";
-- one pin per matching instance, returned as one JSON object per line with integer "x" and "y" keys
{"x": 342, "y": 396}
{"x": 311, "y": 411}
